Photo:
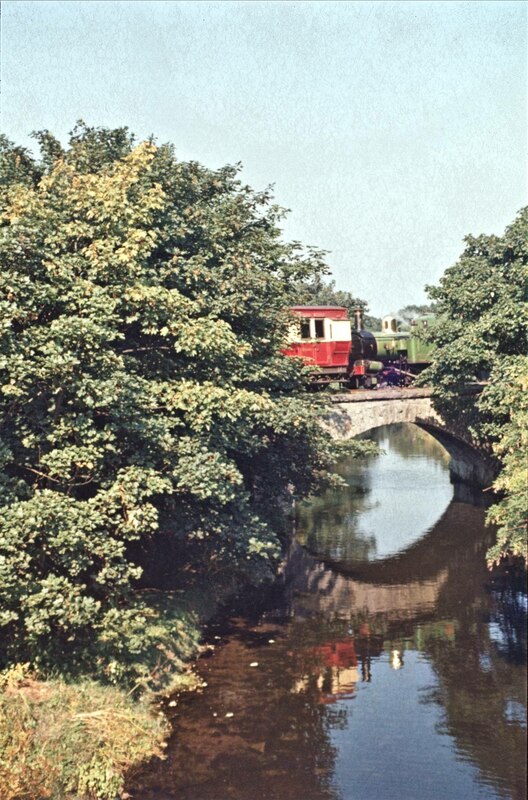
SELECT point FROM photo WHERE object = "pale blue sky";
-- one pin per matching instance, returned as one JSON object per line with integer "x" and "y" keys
{"x": 391, "y": 129}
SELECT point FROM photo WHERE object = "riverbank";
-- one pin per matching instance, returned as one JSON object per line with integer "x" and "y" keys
{"x": 80, "y": 739}
{"x": 77, "y": 740}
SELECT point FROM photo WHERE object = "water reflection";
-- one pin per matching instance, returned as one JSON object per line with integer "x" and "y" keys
{"x": 382, "y": 509}
{"x": 357, "y": 678}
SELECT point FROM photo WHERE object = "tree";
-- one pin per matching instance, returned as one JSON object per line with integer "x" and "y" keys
{"x": 410, "y": 312}
{"x": 144, "y": 402}
{"x": 318, "y": 292}
{"x": 482, "y": 329}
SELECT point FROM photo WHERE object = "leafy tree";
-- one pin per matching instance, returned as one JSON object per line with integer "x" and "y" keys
{"x": 509, "y": 399}
{"x": 144, "y": 402}
{"x": 316, "y": 291}
{"x": 482, "y": 330}
{"x": 410, "y": 312}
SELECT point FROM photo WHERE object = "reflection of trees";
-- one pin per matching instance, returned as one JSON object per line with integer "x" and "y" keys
{"x": 409, "y": 441}
{"x": 508, "y": 614}
{"x": 474, "y": 635}
{"x": 330, "y": 524}
{"x": 452, "y": 541}
{"x": 276, "y": 744}
{"x": 431, "y": 598}
{"x": 480, "y": 682}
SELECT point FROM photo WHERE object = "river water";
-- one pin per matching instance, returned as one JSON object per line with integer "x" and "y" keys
{"x": 386, "y": 663}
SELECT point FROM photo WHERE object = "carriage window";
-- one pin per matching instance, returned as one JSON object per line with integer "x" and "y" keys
{"x": 319, "y": 328}
{"x": 305, "y": 329}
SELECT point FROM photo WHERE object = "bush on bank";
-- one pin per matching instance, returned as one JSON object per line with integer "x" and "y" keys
{"x": 482, "y": 331}
{"x": 146, "y": 414}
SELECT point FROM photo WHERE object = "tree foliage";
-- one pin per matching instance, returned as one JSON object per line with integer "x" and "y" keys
{"x": 317, "y": 291}
{"x": 144, "y": 402}
{"x": 410, "y": 312}
{"x": 482, "y": 331}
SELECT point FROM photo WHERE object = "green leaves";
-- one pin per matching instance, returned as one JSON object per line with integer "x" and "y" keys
{"x": 507, "y": 396}
{"x": 146, "y": 413}
{"x": 483, "y": 332}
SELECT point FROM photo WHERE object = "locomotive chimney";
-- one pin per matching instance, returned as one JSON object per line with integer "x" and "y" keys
{"x": 358, "y": 319}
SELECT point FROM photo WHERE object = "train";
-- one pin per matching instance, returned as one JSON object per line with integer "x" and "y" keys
{"x": 342, "y": 352}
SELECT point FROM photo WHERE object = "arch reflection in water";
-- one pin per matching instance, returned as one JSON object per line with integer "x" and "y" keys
{"x": 383, "y": 508}
{"x": 395, "y": 676}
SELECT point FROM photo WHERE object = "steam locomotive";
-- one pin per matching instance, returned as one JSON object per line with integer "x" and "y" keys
{"x": 343, "y": 352}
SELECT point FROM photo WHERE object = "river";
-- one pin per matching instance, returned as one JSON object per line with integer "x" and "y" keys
{"x": 387, "y": 662}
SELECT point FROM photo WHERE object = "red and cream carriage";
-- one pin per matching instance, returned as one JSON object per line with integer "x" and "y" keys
{"x": 322, "y": 338}
{"x": 340, "y": 351}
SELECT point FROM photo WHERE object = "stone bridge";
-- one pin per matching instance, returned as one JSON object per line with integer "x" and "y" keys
{"x": 359, "y": 411}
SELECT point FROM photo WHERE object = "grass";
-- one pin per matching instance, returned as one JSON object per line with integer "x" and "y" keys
{"x": 78, "y": 739}
{"x": 63, "y": 741}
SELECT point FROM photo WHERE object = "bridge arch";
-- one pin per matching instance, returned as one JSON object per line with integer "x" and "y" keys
{"x": 359, "y": 412}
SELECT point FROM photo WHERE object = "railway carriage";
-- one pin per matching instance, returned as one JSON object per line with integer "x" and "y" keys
{"x": 322, "y": 337}
{"x": 344, "y": 352}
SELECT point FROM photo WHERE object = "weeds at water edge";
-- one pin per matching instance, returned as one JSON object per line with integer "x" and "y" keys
{"x": 65, "y": 741}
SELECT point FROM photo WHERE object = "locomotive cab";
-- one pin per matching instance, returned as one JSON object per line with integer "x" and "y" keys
{"x": 389, "y": 324}
{"x": 420, "y": 350}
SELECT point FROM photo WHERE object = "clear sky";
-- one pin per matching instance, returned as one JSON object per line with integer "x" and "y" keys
{"x": 390, "y": 129}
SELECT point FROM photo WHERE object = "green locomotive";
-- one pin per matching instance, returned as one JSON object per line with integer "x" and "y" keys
{"x": 390, "y": 356}
{"x": 394, "y": 344}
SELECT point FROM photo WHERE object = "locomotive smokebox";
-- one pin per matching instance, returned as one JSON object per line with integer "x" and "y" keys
{"x": 363, "y": 342}
{"x": 363, "y": 346}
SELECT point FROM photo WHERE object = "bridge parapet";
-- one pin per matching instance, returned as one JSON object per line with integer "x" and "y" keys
{"x": 359, "y": 411}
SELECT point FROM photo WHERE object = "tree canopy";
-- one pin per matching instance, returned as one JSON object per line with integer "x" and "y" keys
{"x": 482, "y": 332}
{"x": 317, "y": 291}
{"x": 408, "y": 313}
{"x": 144, "y": 403}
